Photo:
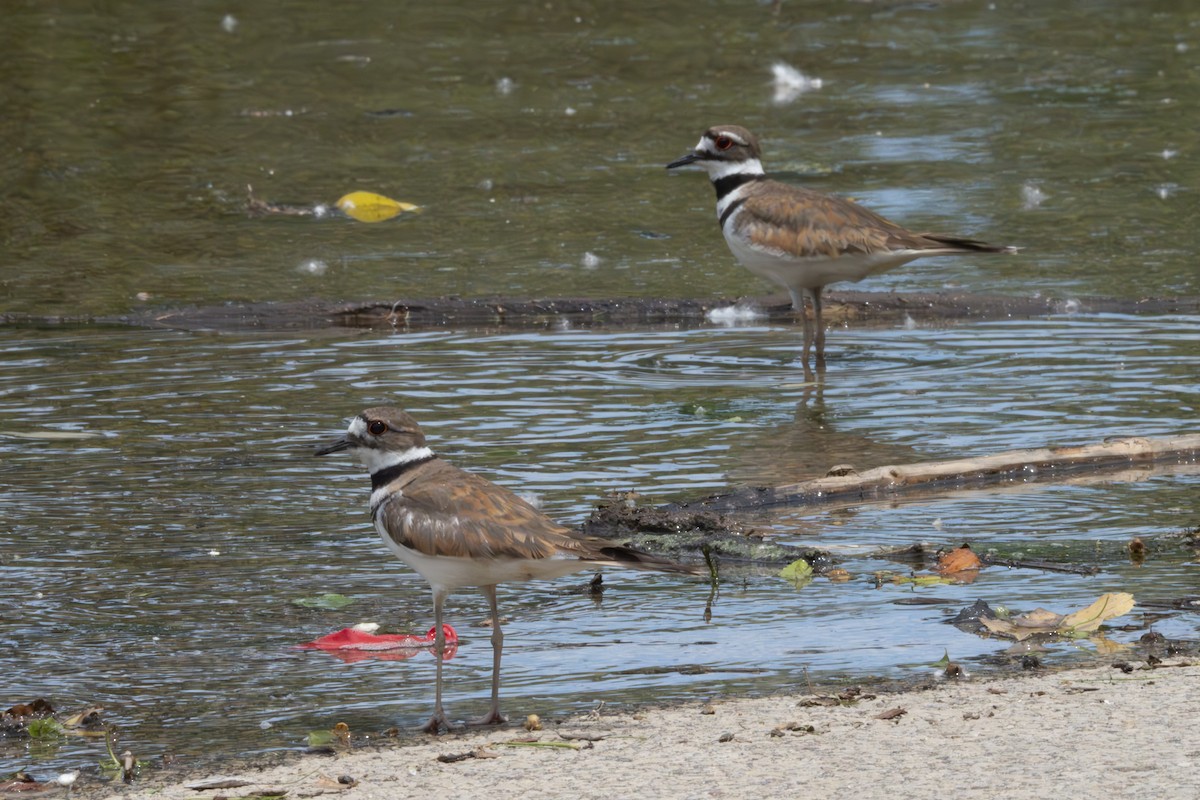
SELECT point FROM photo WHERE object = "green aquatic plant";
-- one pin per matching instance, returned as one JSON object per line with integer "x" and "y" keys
{"x": 45, "y": 728}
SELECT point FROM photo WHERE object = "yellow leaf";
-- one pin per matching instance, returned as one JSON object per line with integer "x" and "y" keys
{"x": 371, "y": 207}
{"x": 1105, "y": 646}
{"x": 1106, "y": 607}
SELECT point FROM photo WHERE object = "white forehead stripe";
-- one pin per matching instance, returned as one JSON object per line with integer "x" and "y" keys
{"x": 357, "y": 427}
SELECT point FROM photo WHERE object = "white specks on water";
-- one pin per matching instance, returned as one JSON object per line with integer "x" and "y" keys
{"x": 590, "y": 260}
{"x": 366, "y": 627}
{"x": 229, "y": 23}
{"x": 320, "y": 210}
{"x": 1069, "y": 306}
{"x": 1165, "y": 190}
{"x": 1167, "y": 153}
{"x": 314, "y": 266}
{"x": 729, "y": 316}
{"x": 1032, "y": 196}
{"x": 265, "y": 725}
{"x": 505, "y": 86}
{"x": 569, "y": 111}
{"x": 214, "y": 552}
{"x": 790, "y": 83}
{"x": 1181, "y": 47}
{"x": 909, "y": 323}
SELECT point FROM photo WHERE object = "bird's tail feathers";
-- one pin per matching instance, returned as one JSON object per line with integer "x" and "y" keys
{"x": 621, "y": 556}
{"x": 969, "y": 245}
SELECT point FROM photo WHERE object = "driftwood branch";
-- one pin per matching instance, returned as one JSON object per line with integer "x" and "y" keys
{"x": 713, "y": 525}
{"x": 1014, "y": 467}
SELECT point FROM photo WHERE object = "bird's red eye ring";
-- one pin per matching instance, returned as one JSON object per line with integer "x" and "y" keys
{"x": 723, "y": 142}
{"x": 377, "y": 427}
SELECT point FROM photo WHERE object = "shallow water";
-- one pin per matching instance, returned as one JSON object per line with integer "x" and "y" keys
{"x": 151, "y": 569}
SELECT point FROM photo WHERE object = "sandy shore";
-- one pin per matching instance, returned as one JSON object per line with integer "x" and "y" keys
{"x": 1083, "y": 733}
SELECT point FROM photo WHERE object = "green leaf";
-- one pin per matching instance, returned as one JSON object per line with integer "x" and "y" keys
{"x": 45, "y": 728}
{"x": 320, "y": 738}
{"x": 325, "y": 602}
{"x": 798, "y": 572}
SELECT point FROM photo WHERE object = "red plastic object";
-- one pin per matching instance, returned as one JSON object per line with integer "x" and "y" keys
{"x": 351, "y": 645}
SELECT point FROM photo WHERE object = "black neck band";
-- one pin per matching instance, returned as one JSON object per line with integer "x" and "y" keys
{"x": 730, "y": 182}
{"x": 729, "y": 209}
{"x": 385, "y": 476}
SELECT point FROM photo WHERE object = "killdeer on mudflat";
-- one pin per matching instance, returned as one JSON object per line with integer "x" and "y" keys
{"x": 801, "y": 239}
{"x": 458, "y": 529}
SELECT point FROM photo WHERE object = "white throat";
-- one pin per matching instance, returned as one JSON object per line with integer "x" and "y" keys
{"x": 377, "y": 460}
{"x": 723, "y": 169}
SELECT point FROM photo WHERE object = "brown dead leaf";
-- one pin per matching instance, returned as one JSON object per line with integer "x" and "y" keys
{"x": 961, "y": 559}
{"x": 89, "y": 716}
{"x": 1137, "y": 551}
{"x": 339, "y": 784}
{"x": 454, "y": 758}
{"x": 25, "y": 786}
{"x": 1047, "y": 622}
{"x": 1022, "y": 627}
{"x": 892, "y": 714}
{"x": 217, "y": 783}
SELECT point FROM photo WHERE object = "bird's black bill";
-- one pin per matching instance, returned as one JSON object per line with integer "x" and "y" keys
{"x": 341, "y": 444}
{"x": 683, "y": 162}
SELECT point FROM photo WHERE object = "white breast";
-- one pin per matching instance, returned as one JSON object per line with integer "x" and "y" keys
{"x": 796, "y": 272}
{"x": 449, "y": 572}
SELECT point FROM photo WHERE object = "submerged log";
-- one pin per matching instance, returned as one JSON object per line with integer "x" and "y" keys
{"x": 711, "y": 523}
{"x": 1013, "y": 467}
{"x": 414, "y": 314}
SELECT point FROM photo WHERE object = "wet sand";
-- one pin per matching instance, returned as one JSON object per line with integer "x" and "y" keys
{"x": 1096, "y": 732}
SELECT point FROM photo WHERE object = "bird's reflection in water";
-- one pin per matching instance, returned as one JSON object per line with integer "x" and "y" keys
{"x": 809, "y": 446}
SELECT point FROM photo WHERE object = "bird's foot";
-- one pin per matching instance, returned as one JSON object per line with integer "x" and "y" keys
{"x": 437, "y": 723}
{"x": 493, "y": 717}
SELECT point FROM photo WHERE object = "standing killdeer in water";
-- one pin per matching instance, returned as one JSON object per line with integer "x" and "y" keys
{"x": 801, "y": 239}
{"x": 458, "y": 529}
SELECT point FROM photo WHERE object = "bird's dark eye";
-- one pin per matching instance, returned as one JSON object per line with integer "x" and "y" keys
{"x": 377, "y": 427}
{"x": 723, "y": 142}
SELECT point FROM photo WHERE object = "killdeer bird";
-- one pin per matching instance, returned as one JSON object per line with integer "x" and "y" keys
{"x": 457, "y": 529}
{"x": 800, "y": 239}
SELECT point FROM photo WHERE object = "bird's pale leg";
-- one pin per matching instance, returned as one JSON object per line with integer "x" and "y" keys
{"x": 438, "y": 720}
{"x": 493, "y": 717}
{"x": 818, "y": 323}
{"x": 798, "y": 308}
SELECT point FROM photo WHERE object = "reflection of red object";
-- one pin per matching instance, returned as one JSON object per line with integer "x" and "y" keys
{"x": 351, "y": 645}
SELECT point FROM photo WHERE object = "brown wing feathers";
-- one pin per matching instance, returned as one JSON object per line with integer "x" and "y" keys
{"x": 444, "y": 511}
{"x": 798, "y": 220}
